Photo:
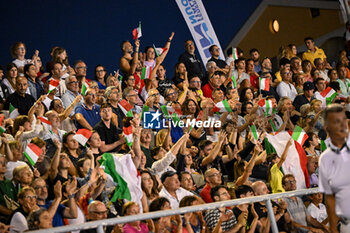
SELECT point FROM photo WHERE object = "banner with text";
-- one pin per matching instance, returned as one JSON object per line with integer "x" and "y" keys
{"x": 200, "y": 27}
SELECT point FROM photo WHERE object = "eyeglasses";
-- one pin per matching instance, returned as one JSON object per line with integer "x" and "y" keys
{"x": 20, "y": 48}
{"x": 134, "y": 95}
{"x": 291, "y": 182}
{"x": 215, "y": 174}
{"x": 73, "y": 82}
{"x": 132, "y": 79}
{"x": 29, "y": 197}
{"x": 216, "y": 49}
{"x": 82, "y": 67}
{"x": 90, "y": 94}
{"x": 94, "y": 87}
{"x": 99, "y": 71}
{"x": 154, "y": 95}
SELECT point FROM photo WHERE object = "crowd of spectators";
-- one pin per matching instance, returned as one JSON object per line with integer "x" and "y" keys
{"x": 178, "y": 165}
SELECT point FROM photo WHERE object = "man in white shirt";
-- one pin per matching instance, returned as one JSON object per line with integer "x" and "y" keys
{"x": 172, "y": 190}
{"x": 285, "y": 88}
{"x": 334, "y": 170}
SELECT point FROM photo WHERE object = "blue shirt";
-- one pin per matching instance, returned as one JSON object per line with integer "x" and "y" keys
{"x": 91, "y": 116}
{"x": 58, "y": 217}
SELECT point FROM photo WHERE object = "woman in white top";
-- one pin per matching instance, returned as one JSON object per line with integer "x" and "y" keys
{"x": 18, "y": 52}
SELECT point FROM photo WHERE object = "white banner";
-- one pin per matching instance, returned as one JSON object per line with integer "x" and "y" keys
{"x": 200, "y": 27}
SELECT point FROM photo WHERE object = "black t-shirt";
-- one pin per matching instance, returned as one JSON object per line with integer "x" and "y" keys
{"x": 164, "y": 84}
{"x": 219, "y": 63}
{"x": 261, "y": 210}
{"x": 108, "y": 135}
{"x": 193, "y": 64}
{"x": 23, "y": 104}
{"x": 177, "y": 80}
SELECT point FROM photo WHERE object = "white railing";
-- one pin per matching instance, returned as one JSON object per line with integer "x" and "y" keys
{"x": 113, "y": 221}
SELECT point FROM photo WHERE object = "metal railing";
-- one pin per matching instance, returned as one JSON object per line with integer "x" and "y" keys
{"x": 113, "y": 221}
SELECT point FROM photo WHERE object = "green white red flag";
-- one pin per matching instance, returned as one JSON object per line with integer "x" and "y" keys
{"x": 329, "y": 94}
{"x": 299, "y": 135}
{"x": 137, "y": 32}
{"x": 84, "y": 88}
{"x": 264, "y": 84}
{"x": 53, "y": 84}
{"x": 127, "y": 131}
{"x": 146, "y": 72}
{"x": 82, "y": 136}
{"x": 13, "y": 113}
{"x": 126, "y": 107}
{"x": 32, "y": 153}
{"x": 267, "y": 106}
{"x": 222, "y": 106}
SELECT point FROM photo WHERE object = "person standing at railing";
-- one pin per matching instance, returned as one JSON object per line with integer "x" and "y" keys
{"x": 297, "y": 216}
{"x": 334, "y": 173}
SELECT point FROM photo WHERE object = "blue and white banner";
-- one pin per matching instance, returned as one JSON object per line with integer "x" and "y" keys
{"x": 200, "y": 27}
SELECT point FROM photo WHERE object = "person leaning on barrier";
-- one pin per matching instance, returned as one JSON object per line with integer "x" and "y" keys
{"x": 299, "y": 217}
{"x": 334, "y": 168}
{"x": 223, "y": 219}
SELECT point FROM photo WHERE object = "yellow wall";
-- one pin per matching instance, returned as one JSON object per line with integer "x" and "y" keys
{"x": 295, "y": 24}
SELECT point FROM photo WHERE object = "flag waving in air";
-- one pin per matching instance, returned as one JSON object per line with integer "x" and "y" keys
{"x": 159, "y": 51}
{"x": 146, "y": 72}
{"x": 82, "y": 136}
{"x": 53, "y": 84}
{"x": 299, "y": 135}
{"x": 222, "y": 106}
{"x": 264, "y": 84}
{"x": 126, "y": 107}
{"x": 127, "y": 131}
{"x": 329, "y": 94}
{"x": 84, "y": 88}
{"x": 267, "y": 106}
{"x": 137, "y": 33}
{"x": 13, "y": 112}
{"x": 32, "y": 153}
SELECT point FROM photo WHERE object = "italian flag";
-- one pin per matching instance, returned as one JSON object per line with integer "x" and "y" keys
{"x": 46, "y": 123}
{"x": 222, "y": 106}
{"x": 234, "y": 53}
{"x": 146, "y": 72}
{"x": 121, "y": 170}
{"x": 329, "y": 94}
{"x": 53, "y": 84}
{"x": 82, "y": 136}
{"x": 159, "y": 51}
{"x": 234, "y": 82}
{"x": 264, "y": 84}
{"x": 137, "y": 33}
{"x": 323, "y": 146}
{"x": 254, "y": 132}
{"x": 267, "y": 106}
{"x": 84, "y": 88}
{"x": 32, "y": 153}
{"x": 126, "y": 107}
{"x": 127, "y": 131}
{"x": 299, "y": 135}
{"x": 169, "y": 111}
{"x": 296, "y": 160}
{"x": 13, "y": 113}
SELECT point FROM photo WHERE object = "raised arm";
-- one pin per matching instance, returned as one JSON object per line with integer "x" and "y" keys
{"x": 284, "y": 154}
{"x": 215, "y": 151}
{"x": 68, "y": 110}
{"x": 55, "y": 160}
{"x": 135, "y": 58}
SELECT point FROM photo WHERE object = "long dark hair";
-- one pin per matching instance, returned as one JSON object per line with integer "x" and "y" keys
{"x": 154, "y": 190}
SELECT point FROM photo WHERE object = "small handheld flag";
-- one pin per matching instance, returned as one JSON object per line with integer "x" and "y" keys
{"x": 254, "y": 132}
{"x": 137, "y": 33}
{"x": 126, "y": 107}
{"x": 82, "y": 136}
{"x": 84, "y": 88}
{"x": 299, "y": 135}
{"x": 127, "y": 131}
{"x": 53, "y": 84}
{"x": 234, "y": 82}
{"x": 32, "y": 153}
{"x": 222, "y": 106}
{"x": 13, "y": 112}
{"x": 264, "y": 84}
{"x": 146, "y": 72}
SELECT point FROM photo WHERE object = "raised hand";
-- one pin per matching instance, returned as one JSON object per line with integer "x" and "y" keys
{"x": 57, "y": 190}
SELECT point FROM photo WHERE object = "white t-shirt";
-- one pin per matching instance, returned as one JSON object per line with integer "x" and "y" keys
{"x": 334, "y": 176}
{"x": 286, "y": 89}
{"x": 320, "y": 214}
{"x": 20, "y": 63}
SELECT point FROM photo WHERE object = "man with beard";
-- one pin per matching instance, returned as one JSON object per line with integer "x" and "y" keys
{"x": 255, "y": 55}
{"x": 127, "y": 63}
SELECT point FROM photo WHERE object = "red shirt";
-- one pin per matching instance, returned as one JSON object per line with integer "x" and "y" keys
{"x": 205, "y": 194}
{"x": 207, "y": 90}
{"x": 254, "y": 81}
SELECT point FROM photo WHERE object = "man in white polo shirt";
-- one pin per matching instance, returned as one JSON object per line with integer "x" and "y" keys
{"x": 334, "y": 169}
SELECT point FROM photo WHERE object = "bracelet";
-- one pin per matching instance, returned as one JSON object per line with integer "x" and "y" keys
{"x": 169, "y": 40}
{"x": 71, "y": 196}
{"x": 187, "y": 223}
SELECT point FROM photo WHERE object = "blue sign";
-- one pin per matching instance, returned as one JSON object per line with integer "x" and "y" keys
{"x": 152, "y": 120}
